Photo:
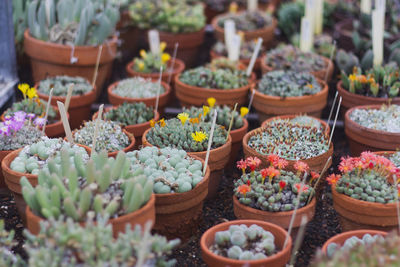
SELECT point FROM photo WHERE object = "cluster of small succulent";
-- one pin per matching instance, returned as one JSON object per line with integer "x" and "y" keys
{"x": 232, "y": 5}
{"x": 247, "y": 21}
{"x": 386, "y": 119}
{"x": 130, "y": 113}
{"x": 18, "y": 131}
{"x": 7, "y": 257}
{"x": 151, "y": 63}
{"x": 368, "y": 178}
{"x": 172, "y": 16}
{"x": 110, "y": 136}
{"x": 380, "y": 81}
{"x": 138, "y": 87}
{"x": 382, "y": 252}
{"x": 20, "y": 21}
{"x": 74, "y": 188}
{"x": 290, "y": 140}
{"x": 60, "y": 85}
{"x": 351, "y": 242}
{"x": 288, "y": 84}
{"x": 72, "y": 22}
{"x": 273, "y": 189}
{"x": 288, "y": 57}
{"x": 242, "y": 242}
{"x": 189, "y": 134}
{"x": 395, "y": 158}
{"x": 246, "y": 49}
{"x": 170, "y": 169}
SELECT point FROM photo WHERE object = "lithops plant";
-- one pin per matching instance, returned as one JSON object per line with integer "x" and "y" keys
{"x": 171, "y": 170}
{"x": 110, "y": 136}
{"x": 241, "y": 242}
{"x": 137, "y": 87}
{"x": 351, "y": 242}
{"x": 367, "y": 178}
{"x": 288, "y": 84}
{"x": 74, "y": 188}
{"x": 386, "y": 118}
{"x": 151, "y": 63}
{"x": 60, "y": 85}
{"x": 130, "y": 113}
{"x": 273, "y": 188}
{"x": 247, "y": 21}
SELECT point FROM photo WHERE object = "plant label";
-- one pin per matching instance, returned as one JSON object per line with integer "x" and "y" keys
{"x": 154, "y": 41}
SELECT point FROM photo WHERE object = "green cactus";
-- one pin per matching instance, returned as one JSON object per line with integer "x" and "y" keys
{"x": 138, "y": 87}
{"x": 60, "y": 85}
{"x": 386, "y": 119}
{"x": 130, "y": 113}
{"x": 247, "y": 21}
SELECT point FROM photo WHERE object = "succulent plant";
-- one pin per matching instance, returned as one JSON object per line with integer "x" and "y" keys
{"x": 172, "y": 16}
{"x": 74, "y": 188}
{"x": 72, "y": 22}
{"x": 110, "y": 136}
{"x": 366, "y": 178}
{"x": 170, "y": 169}
{"x": 130, "y": 113}
{"x": 137, "y": 87}
{"x": 34, "y": 157}
{"x": 350, "y": 243}
{"x": 288, "y": 57}
{"x": 288, "y": 84}
{"x": 151, "y": 63}
{"x": 386, "y": 119}
{"x": 60, "y": 85}
{"x": 7, "y": 257}
{"x": 246, "y": 49}
{"x": 290, "y": 140}
{"x": 395, "y": 158}
{"x": 273, "y": 188}
{"x": 18, "y": 131}
{"x": 380, "y": 81}
{"x": 20, "y": 21}
{"x": 247, "y": 21}
{"x": 242, "y": 242}
{"x": 189, "y": 134}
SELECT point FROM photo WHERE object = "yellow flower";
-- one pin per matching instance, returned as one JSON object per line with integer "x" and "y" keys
{"x": 163, "y": 45}
{"x": 32, "y": 93}
{"x": 309, "y": 85}
{"x": 241, "y": 35}
{"x": 141, "y": 65}
{"x": 243, "y": 111}
{"x": 183, "y": 117}
{"x": 165, "y": 57}
{"x": 162, "y": 122}
{"x": 206, "y": 110}
{"x": 199, "y": 136}
{"x": 352, "y": 77}
{"x": 143, "y": 53}
{"x": 152, "y": 123}
{"x": 233, "y": 7}
{"x": 23, "y": 87}
{"x": 211, "y": 101}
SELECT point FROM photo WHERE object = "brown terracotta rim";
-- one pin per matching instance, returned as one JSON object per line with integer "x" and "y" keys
{"x": 179, "y": 66}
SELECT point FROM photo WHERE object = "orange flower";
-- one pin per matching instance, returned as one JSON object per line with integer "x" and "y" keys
{"x": 314, "y": 176}
{"x": 333, "y": 178}
{"x": 242, "y": 164}
{"x": 272, "y": 158}
{"x": 243, "y": 189}
{"x": 162, "y": 122}
{"x": 301, "y": 166}
{"x": 152, "y": 123}
{"x": 269, "y": 172}
{"x": 362, "y": 79}
{"x": 301, "y": 188}
{"x": 194, "y": 120}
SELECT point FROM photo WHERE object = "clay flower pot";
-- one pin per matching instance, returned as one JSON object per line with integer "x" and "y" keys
{"x": 312, "y": 105}
{"x": 276, "y": 260}
{"x": 218, "y": 158}
{"x": 237, "y": 137}
{"x": 362, "y": 138}
{"x": 350, "y": 100}
{"x": 3, "y": 154}
{"x": 140, "y": 216}
{"x": 341, "y": 238}
{"x": 178, "y": 214}
{"x": 267, "y": 33}
{"x": 244, "y": 61}
{"x": 79, "y": 105}
{"x": 50, "y": 59}
{"x": 356, "y": 214}
{"x": 320, "y": 74}
{"x": 151, "y": 101}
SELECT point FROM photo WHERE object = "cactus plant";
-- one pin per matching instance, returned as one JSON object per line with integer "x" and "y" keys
{"x": 241, "y": 242}
{"x": 170, "y": 169}
{"x": 247, "y": 21}
{"x": 34, "y": 157}
{"x": 273, "y": 189}
{"x": 130, "y": 113}
{"x": 386, "y": 119}
{"x": 72, "y": 22}
{"x": 366, "y": 178}
{"x": 246, "y": 49}
{"x": 151, "y": 63}
{"x": 102, "y": 185}
{"x": 350, "y": 243}
{"x": 110, "y": 136}
{"x": 60, "y": 85}
{"x": 288, "y": 84}
{"x": 137, "y": 87}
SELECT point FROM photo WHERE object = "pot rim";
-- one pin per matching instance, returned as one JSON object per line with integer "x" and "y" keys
{"x": 179, "y": 66}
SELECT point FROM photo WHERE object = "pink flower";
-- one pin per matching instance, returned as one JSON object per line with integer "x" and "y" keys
{"x": 4, "y": 130}
{"x": 253, "y": 163}
{"x": 301, "y": 166}
{"x": 301, "y": 188}
{"x": 242, "y": 164}
{"x": 39, "y": 121}
{"x": 346, "y": 164}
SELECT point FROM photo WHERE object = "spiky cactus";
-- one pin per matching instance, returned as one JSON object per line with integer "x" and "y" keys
{"x": 60, "y": 85}
{"x": 75, "y": 188}
{"x": 130, "y": 113}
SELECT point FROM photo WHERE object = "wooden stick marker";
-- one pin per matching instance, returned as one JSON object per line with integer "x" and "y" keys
{"x": 64, "y": 119}
{"x": 47, "y": 110}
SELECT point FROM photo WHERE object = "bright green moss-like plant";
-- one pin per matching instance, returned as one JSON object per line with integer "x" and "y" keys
{"x": 60, "y": 85}
{"x": 137, "y": 87}
{"x": 130, "y": 113}
{"x": 248, "y": 21}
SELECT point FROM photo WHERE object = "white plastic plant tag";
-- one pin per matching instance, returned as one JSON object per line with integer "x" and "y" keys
{"x": 310, "y": 9}
{"x": 377, "y": 36}
{"x": 235, "y": 48}
{"x": 380, "y": 5}
{"x": 154, "y": 41}
{"x": 210, "y": 138}
{"x": 306, "y": 35}
{"x": 47, "y": 110}
{"x": 254, "y": 56}
{"x": 318, "y": 16}
{"x": 73, "y": 59}
{"x": 229, "y": 31}
{"x": 252, "y": 5}
{"x": 365, "y": 6}
{"x": 68, "y": 98}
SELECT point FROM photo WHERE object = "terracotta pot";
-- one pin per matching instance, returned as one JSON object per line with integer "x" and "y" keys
{"x": 320, "y": 74}
{"x": 140, "y": 216}
{"x": 80, "y": 106}
{"x": 267, "y": 33}
{"x": 49, "y": 59}
{"x": 136, "y": 130}
{"x": 362, "y": 138}
{"x": 350, "y": 100}
{"x": 357, "y": 214}
{"x": 178, "y": 214}
{"x": 196, "y": 96}
{"x": 237, "y": 137}
{"x": 283, "y": 117}
{"x": 312, "y": 105}
{"x": 276, "y": 260}
{"x": 151, "y": 101}
{"x": 244, "y": 61}
{"x": 217, "y": 160}
{"x": 341, "y": 238}
{"x": 3, "y": 154}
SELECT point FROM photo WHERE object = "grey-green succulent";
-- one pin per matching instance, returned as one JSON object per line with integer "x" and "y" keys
{"x": 7, "y": 242}
{"x": 138, "y": 87}
{"x": 247, "y": 21}
{"x": 130, "y": 113}
{"x": 386, "y": 118}
{"x": 36, "y": 106}
{"x": 395, "y": 158}
{"x": 20, "y": 21}
{"x": 60, "y": 85}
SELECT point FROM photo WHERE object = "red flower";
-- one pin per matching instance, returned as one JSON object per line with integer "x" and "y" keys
{"x": 314, "y": 176}
{"x": 248, "y": 182}
{"x": 269, "y": 172}
{"x": 273, "y": 158}
{"x": 243, "y": 189}
{"x": 333, "y": 178}
{"x": 282, "y": 185}
{"x": 301, "y": 188}
{"x": 242, "y": 164}
{"x": 253, "y": 163}
{"x": 301, "y": 166}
